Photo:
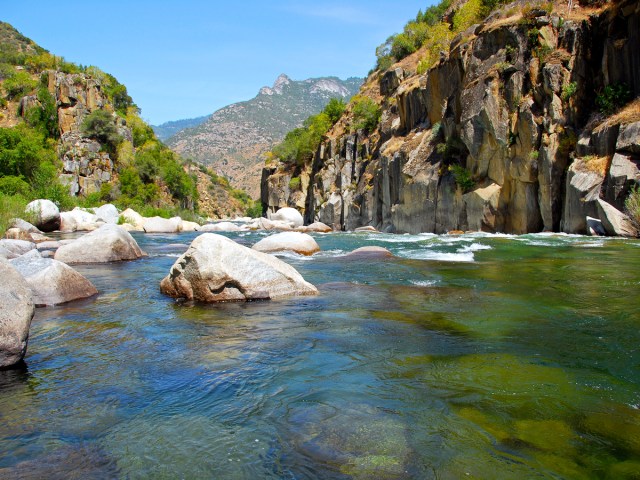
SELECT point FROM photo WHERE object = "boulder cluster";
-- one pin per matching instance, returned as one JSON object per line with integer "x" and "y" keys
{"x": 38, "y": 270}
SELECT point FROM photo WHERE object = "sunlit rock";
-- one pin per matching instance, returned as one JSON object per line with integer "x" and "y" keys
{"x": 109, "y": 243}
{"x": 52, "y": 282}
{"x": 16, "y": 312}
{"x": 217, "y": 269}
{"x": 298, "y": 242}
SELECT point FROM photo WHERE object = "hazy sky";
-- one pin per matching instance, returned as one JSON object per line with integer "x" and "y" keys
{"x": 182, "y": 59}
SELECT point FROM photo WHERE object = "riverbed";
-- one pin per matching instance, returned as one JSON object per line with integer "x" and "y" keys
{"x": 472, "y": 356}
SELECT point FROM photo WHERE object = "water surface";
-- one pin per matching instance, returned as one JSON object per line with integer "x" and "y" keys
{"x": 475, "y": 356}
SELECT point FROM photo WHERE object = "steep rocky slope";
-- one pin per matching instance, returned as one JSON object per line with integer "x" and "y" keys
{"x": 502, "y": 134}
{"x": 49, "y": 104}
{"x": 234, "y": 138}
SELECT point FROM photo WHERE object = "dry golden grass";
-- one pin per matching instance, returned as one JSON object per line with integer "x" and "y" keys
{"x": 594, "y": 164}
{"x": 629, "y": 114}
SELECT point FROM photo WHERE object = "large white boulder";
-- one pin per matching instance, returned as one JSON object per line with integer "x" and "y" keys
{"x": 217, "y": 269}
{"x": 52, "y": 282}
{"x": 79, "y": 219}
{"x": 109, "y": 243}
{"x": 221, "y": 227}
{"x": 189, "y": 226}
{"x": 45, "y": 213}
{"x": 289, "y": 215}
{"x": 107, "y": 213}
{"x": 14, "y": 248}
{"x": 162, "y": 225}
{"x": 298, "y": 242}
{"x": 134, "y": 219}
{"x": 16, "y": 313}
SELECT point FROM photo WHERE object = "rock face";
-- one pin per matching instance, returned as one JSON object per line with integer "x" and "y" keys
{"x": 494, "y": 137}
{"x": 16, "y": 313}
{"x": 216, "y": 269}
{"x": 46, "y": 213}
{"x": 298, "y": 242}
{"x": 109, "y": 243}
{"x": 52, "y": 282}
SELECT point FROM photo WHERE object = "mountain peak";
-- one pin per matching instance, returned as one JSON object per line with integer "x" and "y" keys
{"x": 278, "y": 85}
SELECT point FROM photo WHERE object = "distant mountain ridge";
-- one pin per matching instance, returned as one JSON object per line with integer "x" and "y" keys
{"x": 234, "y": 139}
{"x": 168, "y": 129}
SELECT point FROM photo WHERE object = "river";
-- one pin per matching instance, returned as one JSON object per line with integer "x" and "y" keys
{"x": 474, "y": 356}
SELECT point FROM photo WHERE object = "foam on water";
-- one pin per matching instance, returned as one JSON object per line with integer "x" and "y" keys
{"x": 438, "y": 256}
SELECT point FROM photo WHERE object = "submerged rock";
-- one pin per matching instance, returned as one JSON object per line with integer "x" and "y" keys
{"x": 47, "y": 214}
{"x": 16, "y": 313}
{"x": 52, "y": 282}
{"x": 217, "y": 269}
{"x": 369, "y": 252}
{"x": 298, "y": 242}
{"x": 109, "y": 243}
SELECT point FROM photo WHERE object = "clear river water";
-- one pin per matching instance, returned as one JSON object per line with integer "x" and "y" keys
{"x": 474, "y": 356}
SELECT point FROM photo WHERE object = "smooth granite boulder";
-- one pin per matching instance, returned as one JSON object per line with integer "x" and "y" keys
{"x": 45, "y": 213}
{"x": 16, "y": 313}
{"x": 289, "y": 215}
{"x": 298, "y": 242}
{"x": 52, "y": 282}
{"x": 217, "y": 269}
{"x": 109, "y": 243}
{"x": 162, "y": 225}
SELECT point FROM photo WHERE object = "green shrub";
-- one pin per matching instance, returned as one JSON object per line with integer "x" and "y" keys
{"x": 423, "y": 67}
{"x": 467, "y": 15}
{"x": 569, "y": 90}
{"x": 18, "y": 85}
{"x": 366, "y": 113}
{"x": 12, "y": 185}
{"x": 100, "y": 125}
{"x": 11, "y": 206}
{"x": 254, "y": 210}
{"x": 462, "y": 177}
{"x": 22, "y": 149}
{"x": 294, "y": 183}
{"x": 612, "y": 98}
{"x": 44, "y": 117}
{"x": 632, "y": 206}
{"x": 334, "y": 109}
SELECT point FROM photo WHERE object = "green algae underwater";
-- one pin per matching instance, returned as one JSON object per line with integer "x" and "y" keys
{"x": 473, "y": 356}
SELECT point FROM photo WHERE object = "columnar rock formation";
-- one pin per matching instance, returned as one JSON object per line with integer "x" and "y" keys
{"x": 499, "y": 135}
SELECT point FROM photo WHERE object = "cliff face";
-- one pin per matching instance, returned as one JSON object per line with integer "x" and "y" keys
{"x": 500, "y": 135}
{"x": 234, "y": 139}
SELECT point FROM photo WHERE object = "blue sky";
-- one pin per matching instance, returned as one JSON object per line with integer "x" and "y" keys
{"x": 189, "y": 58}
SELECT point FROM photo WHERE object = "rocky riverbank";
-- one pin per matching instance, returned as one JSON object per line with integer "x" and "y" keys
{"x": 512, "y": 130}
